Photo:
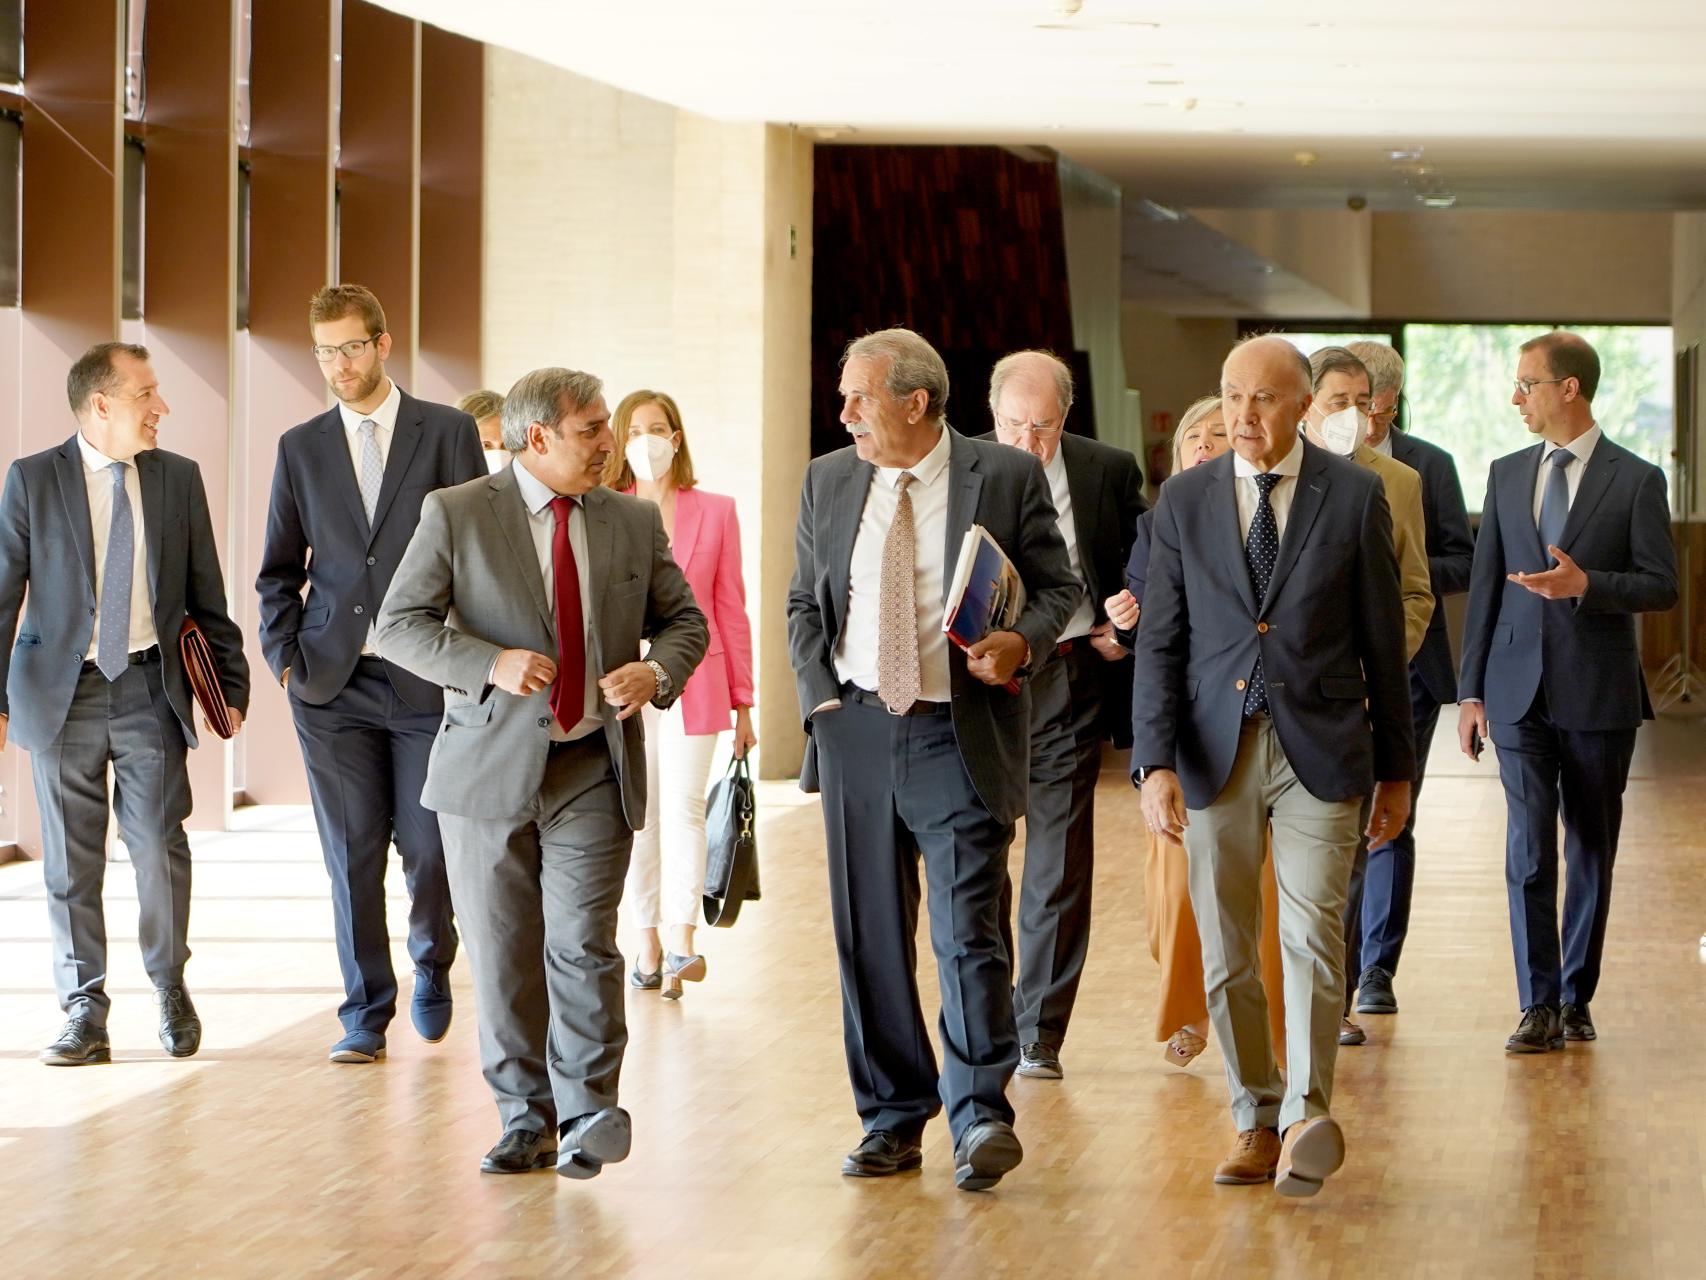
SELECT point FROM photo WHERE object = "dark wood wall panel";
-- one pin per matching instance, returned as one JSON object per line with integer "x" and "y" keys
{"x": 963, "y": 244}
{"x": 453, "y": 93}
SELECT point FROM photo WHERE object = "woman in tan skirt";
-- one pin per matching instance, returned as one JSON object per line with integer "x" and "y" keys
{"x": 1181, "y": 1013}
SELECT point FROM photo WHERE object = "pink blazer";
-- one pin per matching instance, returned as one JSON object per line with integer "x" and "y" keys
{"x": 707, "y": 547}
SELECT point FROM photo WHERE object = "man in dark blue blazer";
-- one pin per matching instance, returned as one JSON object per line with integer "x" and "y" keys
{"x": 1391, "y": 873}
{"x": 346, "y": 497}
{"x": 112, "y": 539}
{"x": 1269, "y": 696}
{"x": 1575, "y": 541}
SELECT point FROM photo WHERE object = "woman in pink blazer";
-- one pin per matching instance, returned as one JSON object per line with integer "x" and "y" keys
{"x": 666, "y": 875}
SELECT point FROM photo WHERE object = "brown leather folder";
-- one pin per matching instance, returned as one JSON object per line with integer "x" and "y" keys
{"x": 203, "y": 673}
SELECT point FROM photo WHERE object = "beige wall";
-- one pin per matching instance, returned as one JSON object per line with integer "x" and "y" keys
{"x": 1328, "y": 248}
{"x": 1090, "y": 216}
{"x": 650, "y": 246}
{"x": 1172, "y": 361}
{"x": 1497, "y": 266}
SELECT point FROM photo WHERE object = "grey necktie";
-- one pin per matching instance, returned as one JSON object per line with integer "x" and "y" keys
{"x": 372, "y": 468}
{"x": 114, "y": 640}
{"x": 1555, "y": 503}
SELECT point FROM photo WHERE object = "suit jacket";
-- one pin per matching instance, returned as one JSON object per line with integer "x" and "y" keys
{"x": 707, "y": 547}
{"x": 469, "y": 587}
{"x": 1584, "y": 651}
{"x": 1330, "y": 634}
{"x": 47, "y": 545}
{"x": 1409, "y": 541}
{"x": 1003, "y": 490}
{"x": 1451, "y": 550}
{"x": 1106, "y": 484}
{"x": 317, "y": 534}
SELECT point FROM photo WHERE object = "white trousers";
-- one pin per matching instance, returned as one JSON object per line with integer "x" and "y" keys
{"x": 666, "y": 875}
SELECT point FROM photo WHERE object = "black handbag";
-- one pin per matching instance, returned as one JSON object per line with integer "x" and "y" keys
{"x": 731, "y": 845}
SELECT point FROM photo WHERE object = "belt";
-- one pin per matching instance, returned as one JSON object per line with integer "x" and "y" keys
{"x": 137, "y": 657}
{"x": 919, "y": 708}
{"x": 1076, "y": 644}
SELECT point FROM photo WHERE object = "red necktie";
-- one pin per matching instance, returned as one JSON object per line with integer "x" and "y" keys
{"x": 568, "y": 693}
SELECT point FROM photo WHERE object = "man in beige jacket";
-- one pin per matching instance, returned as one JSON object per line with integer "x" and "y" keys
{"x": 1337, "y": 420}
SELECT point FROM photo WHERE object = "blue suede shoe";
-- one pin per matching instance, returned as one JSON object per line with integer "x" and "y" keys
{"x": 430, "y": 1009}
{"x": 358, "y": 1046}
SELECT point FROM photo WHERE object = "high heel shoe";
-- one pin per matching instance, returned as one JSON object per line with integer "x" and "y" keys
{"x": 679, "y": 969}
{"x": 1184, "y": 1046}
{"x": 640, "y": 980}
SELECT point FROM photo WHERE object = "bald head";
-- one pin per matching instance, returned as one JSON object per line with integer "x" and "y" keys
{"x": 1030, "y": 394}
{"x": 1265, "y": 391}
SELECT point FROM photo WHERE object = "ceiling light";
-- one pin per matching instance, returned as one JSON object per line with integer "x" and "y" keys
{"x": 1305, "y": 158}
{"x": 1404, "y": 155}
{"x": 826, "y": 132}
{"x": 1439, "y": 199}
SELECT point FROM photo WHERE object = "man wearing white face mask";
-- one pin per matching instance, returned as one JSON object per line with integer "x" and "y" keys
{"x": 666, "y": 874}
{"x": 1337, "y": 420}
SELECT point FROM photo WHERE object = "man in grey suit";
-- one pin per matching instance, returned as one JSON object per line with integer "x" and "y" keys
{"x": 516, "y": 592}
{"x": 111, "y": 536}
{"x": 919, "y": 748}
{"x": 1270, "y": 693}
{"x": 1097, "y": 491}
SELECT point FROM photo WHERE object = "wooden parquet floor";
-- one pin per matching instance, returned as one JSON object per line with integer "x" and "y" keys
{"x": 257, "y": 1158}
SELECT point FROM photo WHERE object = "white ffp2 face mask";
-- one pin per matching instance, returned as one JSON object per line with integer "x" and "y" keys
{"x": 650, "y": 457}
{"x": 1341, "y": 432}
{"x": 496, "y": 460}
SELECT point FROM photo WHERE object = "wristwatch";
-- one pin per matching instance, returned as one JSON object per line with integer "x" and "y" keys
{"x": 1143, "y": 772}
{"x": 665, "y": 684}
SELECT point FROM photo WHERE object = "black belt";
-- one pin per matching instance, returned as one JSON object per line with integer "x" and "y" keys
{"x": 137, "y": 657}
{"x": 919, "y": 708}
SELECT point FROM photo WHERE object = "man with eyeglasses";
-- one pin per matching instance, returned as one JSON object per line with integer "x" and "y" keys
{"x": 1384, "y": 920}
{"x": 346, "y": 496}
{"x": 1575, "y": 541}
{"x": 1098, "y": 494}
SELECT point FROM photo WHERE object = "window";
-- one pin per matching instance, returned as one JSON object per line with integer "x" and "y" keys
{"x": 11, "y": 187}
{"x": 1458, "y": 384}
{"x": 11, "y": 44}
{"x": 134, "y": 183}
{"x": 1309, "y": 343}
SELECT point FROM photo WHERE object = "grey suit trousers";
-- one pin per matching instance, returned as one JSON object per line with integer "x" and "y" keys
{"x": 130, "y": 724}
{"x": 1314, "y": 842}
{"x": 537, "y": 898}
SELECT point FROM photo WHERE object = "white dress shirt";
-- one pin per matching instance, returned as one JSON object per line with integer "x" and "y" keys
{"x": 856, "y": 649}
{"x": 1582, "y": 448}
{"x": 536, "y": 496}
{"x": 384, "y": 420}
{"x": 1288, "y": 468}
{"x": 1385, "y": 445}
{"x": 98, "y": 477}
{"x": 1084, "y": 616}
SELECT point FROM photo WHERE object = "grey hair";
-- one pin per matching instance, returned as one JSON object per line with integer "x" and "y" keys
{"x": 1385, "y": 366}
{"x": 544, "y": 396}
{"x": 1336, "y": 360}
{"x": 914, "y": 365}
{"x": 1008, "y": 365}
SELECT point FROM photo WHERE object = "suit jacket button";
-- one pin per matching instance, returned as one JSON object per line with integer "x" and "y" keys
{"x": 358, "y": 608}
{"x": 76, "y": 657}
{"x": 1262, "y": 628}
{"x": 544, "y": 722}
{"x": 1239, "y": 684}
{"x": 91, "y": 613}
{"x": 372, "y": 559}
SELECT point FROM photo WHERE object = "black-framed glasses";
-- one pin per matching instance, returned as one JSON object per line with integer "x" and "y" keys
{"x": 1525, "y": 386}
{"x": 352, "y": 349}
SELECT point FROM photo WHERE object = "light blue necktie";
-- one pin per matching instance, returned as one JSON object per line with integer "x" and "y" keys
{"x": 114, "y": 640}
{"x": 1555, "y": 504}
{"x": 372, "y": 469}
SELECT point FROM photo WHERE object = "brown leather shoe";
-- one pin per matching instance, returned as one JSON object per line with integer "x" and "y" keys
{"x": 1313, "y": 1150}
{"x": 1254, "y": 1157}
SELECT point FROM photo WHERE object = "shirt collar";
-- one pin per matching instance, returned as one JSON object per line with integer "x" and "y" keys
{"x": 1290, "y": 465}
{"x": 1055, "y": 467}
{"x": 384, "y": 417}
{"x": 1581, "y": 446}
{"x": 926, "y": 469}
{"x": 535, "y": 493}
{"x": 93, "y": 458}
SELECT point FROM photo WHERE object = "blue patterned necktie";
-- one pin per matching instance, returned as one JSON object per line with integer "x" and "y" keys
{"x": 114, "y": 640}
{"x": 372, "y": 468}
{"x": 1261, "y": 549}
{"x": 1555, "y": 504}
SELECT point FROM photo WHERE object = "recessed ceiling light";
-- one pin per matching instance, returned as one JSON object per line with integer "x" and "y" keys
{"x": 1439, "y": 199}
{"x": 1305, "y": 158}
{"x": 1404, "y": 155}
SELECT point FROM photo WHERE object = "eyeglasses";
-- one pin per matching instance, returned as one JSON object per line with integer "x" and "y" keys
{"x": 1525, "y": 386}
{"x": 1040, "y": 432}
{"x": 352, "y": 349}
{"x": 1389, "y": 413}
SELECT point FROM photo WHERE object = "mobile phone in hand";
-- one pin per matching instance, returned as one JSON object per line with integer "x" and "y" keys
{"x": 1475, "y": 745}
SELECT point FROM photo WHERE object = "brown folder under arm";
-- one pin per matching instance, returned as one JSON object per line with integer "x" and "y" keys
{"x": 203, "y": 673}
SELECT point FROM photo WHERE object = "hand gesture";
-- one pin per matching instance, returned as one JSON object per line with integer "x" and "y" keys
{"x": 523, "y": 672}
{"x": 629, "y": 687}
{"x": 1122, "y": 610}
{"x": 996, "y": 657}
{"x": 1564, "y": 581}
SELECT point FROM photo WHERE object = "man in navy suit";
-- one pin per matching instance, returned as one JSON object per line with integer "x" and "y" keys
{"x": 1391, "y": 874}
{"x": 111, "y": 537}
{"x": 1269, "y": 695}
{"x": 346, "y": 497}
{"x": 1575, "y": 541}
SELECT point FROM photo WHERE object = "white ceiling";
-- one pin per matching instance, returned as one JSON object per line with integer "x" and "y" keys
{"x": 1513, "y": 103}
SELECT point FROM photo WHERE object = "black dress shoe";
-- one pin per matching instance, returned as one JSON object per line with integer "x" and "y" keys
{"x": 1539, "y": 1031}
{"x": 519, "y": 1151}
{"x": 1040, "y": 1062}
{"x": 180, "y": 1026}
{"x": 1374, "y": 991}
{"x": 880, "y": 1154}
{"x": 594, "y": 1140}
{"x": 1577, "y": 1025}
{"x": 987, "y": 1151}
{"x": 79, "y": 1045}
